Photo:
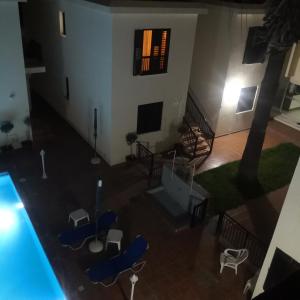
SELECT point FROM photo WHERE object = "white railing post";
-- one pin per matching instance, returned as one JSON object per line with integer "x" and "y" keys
{"x": 133, "y": 280}
{"x": 192, "y": 180}
{"x": 42, "y": 153}
{"x": 173, "y": 161}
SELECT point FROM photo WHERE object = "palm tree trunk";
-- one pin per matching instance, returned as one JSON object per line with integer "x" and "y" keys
{"x": 248, "y": 168}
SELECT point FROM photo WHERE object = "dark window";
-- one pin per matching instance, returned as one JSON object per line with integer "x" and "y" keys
{"x": 256, "y": 47}
{"x": 62, "y": 24}
{"x": 33, "y": 51}
{"x": 151, "y": 51}
{"x": 246, "y": 99}
{"x": 21, "y": 6}
{"x": 67, "y": 89}
{"x": 149, "y": 117}
{"x": 281, "y": 267}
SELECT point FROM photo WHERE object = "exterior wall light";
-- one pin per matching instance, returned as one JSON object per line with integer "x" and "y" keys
{"x": 231, "y": 92}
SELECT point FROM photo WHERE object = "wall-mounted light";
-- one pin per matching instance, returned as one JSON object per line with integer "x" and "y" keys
{"x": 62, "y": 23}
{"x": 293, "y": 68}
{"x": 232, "y": 92}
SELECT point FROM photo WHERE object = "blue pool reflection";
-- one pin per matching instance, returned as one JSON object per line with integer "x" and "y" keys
{"x": 25, "y": 272}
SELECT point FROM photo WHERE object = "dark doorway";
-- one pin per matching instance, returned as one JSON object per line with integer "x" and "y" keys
{"x": 282, "y": 266}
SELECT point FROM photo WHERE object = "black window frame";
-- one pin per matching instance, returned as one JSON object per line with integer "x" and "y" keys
{"x": 67, "y": 88}
{"x": 244, "y": 95}
{"x": 146, "y": 113}
{"x": 155, "y": 60}
{"x": 255, "y": 48}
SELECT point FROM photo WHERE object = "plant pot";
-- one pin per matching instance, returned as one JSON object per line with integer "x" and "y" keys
{"x": 130, "y": 157}
{"x": 27, "y": 144}
{"x": 6, "y": 148}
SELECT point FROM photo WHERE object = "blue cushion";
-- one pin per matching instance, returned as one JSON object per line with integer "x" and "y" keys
{"x": 78, "y": 234}
{"x": 112, "y": 267}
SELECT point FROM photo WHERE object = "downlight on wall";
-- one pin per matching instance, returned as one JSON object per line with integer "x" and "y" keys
{"x": 62, "y": 23}
{"x": 232, "y": 92}
{"x": 293, "y": 68}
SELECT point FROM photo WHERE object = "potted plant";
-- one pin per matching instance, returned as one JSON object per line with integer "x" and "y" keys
{"x": 28, "y": 142}
{"x": 131, "y": 137}
{"x": 6, "y": 127}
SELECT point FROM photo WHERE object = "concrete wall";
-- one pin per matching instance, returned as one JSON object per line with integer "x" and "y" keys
{"x": 284, "y": 235}
{"x": 245, "y": 75}
{"x": 97, "y": 56}
{"x": 13, "y": 88}
{"x": 218, "y": 69}
{"x": 210, "y": 61}
{"x": 85, "y": 56}
{"x": 129, "y": 91}
{"x": 293, "y": 71}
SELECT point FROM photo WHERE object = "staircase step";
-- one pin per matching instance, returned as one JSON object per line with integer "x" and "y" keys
{"x": 196, "y": 128}
{"x": 187, "y": 139}
{"x": 191, "y": 142}
{"x": 201, "y": 152}
{"x": 200, "y": 146}
{"x": 196, "y": 131}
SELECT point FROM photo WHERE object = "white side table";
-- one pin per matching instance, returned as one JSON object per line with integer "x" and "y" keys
{"x": 114, "y": 236}
{"x": 78, "y": 215}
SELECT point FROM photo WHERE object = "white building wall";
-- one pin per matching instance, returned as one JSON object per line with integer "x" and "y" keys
{"x": 241, "y": 75}
{"x": 129, "y": 91}
{"x": 85, "y": 56}
{"x": 285, "y": 234}
{"x": 217, "y": 62}
{"x": 210, "y": 62}
{"x": 13, "y": 88}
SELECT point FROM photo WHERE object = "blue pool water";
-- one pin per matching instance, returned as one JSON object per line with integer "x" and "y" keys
{"x": 25, "y": 272}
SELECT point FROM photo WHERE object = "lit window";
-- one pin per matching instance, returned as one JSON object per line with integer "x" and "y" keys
{"x": 62, "y": 24}
{"x": 246, "y": 99}
{"x": 151, "y": 51}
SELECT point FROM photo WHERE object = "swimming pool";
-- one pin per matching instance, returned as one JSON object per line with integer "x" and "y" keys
{"x": 25, "y": 272}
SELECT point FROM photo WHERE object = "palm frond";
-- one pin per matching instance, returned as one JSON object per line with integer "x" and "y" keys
{"x": 281, "y": 24}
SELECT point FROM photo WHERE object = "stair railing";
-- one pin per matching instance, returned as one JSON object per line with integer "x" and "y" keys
{"x": 199, "y": 210}
{"x": 239, "y": 237}
{"x": 196, "y": 116}
{"x": 148, "y": 159}
{"x": 191, "y": 137}
{"x": 145, "y": 157}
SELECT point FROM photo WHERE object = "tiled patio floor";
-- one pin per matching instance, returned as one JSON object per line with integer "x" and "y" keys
{"x": 230, "y": 147}
{"x": 180, "y": 265}
{"x": 259, "y": 216}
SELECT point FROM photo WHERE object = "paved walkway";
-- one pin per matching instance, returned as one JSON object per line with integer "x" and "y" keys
{"x": 182, "y": 265}
{"x": 231, "y": 147}
{"x": 259, "y": 216}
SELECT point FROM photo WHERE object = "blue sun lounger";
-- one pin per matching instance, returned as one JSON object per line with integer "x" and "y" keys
{"x": 110, "y": 269}
{"x": 76, "y": 238}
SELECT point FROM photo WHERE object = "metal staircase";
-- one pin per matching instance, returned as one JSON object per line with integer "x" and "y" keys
{"x": 196, "y": 141}
{"x": 197, "y": 137}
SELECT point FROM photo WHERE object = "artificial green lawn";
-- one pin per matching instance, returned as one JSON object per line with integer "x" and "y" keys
{"x": 276, "y": 169}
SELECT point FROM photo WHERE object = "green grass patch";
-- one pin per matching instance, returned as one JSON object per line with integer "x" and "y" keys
{"x": 276, "y": 168}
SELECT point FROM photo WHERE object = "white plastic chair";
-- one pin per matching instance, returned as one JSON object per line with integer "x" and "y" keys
{"x": 232, "y": 258}
{"x": 250, "y": 284}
